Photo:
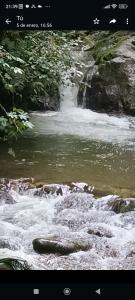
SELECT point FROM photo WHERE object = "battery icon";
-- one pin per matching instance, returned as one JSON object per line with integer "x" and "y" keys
{"x": 20, "y": 6}
{"x": 123, "y": 6}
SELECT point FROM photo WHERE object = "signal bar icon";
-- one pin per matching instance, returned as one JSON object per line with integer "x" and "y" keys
{"x": 109, "y": 6}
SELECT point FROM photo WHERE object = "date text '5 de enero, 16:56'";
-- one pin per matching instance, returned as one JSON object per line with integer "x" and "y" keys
{"x": 41, "y": 25}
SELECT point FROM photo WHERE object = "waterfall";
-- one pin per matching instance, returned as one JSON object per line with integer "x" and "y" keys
{"x": 68, "y": 94}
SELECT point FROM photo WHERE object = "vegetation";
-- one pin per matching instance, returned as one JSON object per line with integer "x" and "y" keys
{"x": 103, "y": 45}
{"x": 31, "y": 67}
{"x": 13, "y": 264}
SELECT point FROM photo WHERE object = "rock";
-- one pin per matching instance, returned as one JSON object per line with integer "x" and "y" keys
{"x": 123, "y": 205}
{"x": 88, "y": 75}
{"x": 59, "y": 192}
{"x": 100, "y": 233}
{"x": 81, "y": 188}
{"x": 4, "y": 244}
{"x": 47, "y": 189}
{"x": 9, "y": 243}
{"x": 21, "y": 185}
{"x": 131, "y": 254}
{"x": 111, "y": 87}
{"x": 6, "y": 198}
{"x": 48, "y": 103}
{"x": 57, "y": 246}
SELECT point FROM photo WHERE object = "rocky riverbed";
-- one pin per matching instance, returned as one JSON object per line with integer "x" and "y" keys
{"x": 64, "y": 227}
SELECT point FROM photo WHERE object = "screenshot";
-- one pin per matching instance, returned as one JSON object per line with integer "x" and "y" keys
{"x": 67, "y": 149}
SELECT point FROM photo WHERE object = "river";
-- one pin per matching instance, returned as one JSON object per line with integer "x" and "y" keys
{"x": 76, "y": 144}
{"x": 72, "y": 145}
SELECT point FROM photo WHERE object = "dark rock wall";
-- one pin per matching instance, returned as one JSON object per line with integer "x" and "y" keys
{"x": 110, "y": 86}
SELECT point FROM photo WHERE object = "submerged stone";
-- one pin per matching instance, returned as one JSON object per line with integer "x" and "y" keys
{"x": 100, "y": 233}
{"x": 6, "y": 198}
{"x": 4, "y": 244}
{"x": 57, "y": 246}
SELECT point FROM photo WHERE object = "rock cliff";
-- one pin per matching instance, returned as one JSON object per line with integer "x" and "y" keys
{"x": 110, "y": 86}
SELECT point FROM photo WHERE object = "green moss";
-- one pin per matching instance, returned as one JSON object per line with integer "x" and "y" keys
{"x": 121, "y": 206}
{"x": 105, "y": 44}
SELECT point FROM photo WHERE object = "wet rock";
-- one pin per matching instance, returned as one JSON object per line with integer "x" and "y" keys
{"x": 4, "y": 181}
{"x": 123, "y": 205}
{"x": 81, "y": 188}
{"x": 6, "y": 198}
{"x": 4, "y": 244}
{"x": 2, "y": 187}
{"x": 131, "y": 254}
{"x": 59, "y": 192}
{"x": 104, "y": 203}
{"x": 47, "y": 189}
{"x": 39, "y": 192}
{"x": 21, "y": 185}
{"x": 100, "y": 233}
{"x": 57, "y": 189}
{"x": 39, "y": 185}
{"x": 57, "y": 246}
{"x": 9, "y": 243}
{"x": 111, "y": 88}
{"x": 48, "y": 103}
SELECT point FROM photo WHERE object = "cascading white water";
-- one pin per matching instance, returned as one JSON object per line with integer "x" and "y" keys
{"x": 76, "y": 217}
{"x": 73, "y": 120}
{"x": 68, "y": 96}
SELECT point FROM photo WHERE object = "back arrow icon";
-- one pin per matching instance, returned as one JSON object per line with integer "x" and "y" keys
{"x": 8, "y": 21}
{"x": 98, "y": 291}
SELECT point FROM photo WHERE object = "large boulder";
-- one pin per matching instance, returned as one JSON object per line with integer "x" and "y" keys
{"x": 110, "y": 86}
{"x": 6, "y": 198}
{"x": 57, "y": 246}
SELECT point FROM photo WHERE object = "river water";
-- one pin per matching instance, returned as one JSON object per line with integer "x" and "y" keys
{"x": 72, "y": 145}
{"x": 76, "y": 144}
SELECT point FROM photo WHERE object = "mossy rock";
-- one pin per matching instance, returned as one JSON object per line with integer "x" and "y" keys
{"x": 123, "y": 205}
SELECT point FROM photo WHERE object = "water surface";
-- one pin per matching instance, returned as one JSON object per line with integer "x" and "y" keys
{"x": 75, "y": 144}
